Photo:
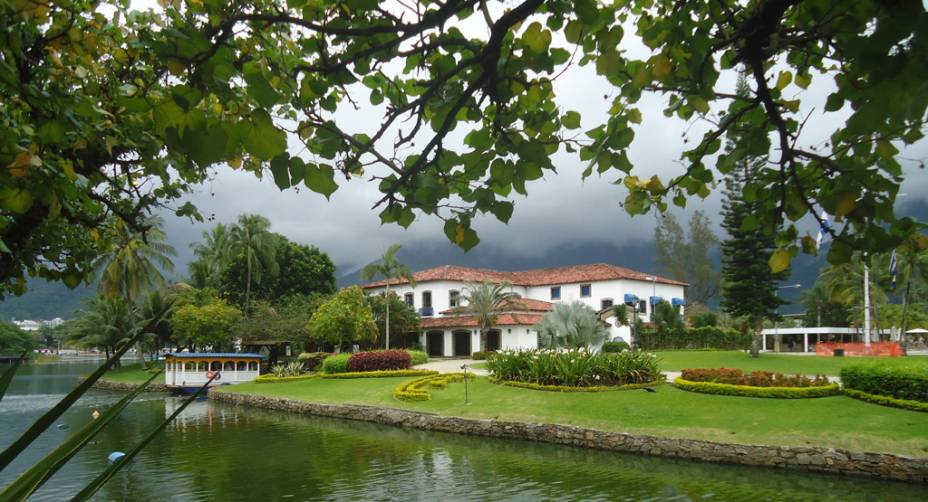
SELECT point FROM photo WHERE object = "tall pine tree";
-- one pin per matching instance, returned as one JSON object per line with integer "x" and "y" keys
{"x": 749, "y": 287}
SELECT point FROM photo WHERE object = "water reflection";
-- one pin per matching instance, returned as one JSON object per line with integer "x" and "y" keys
{"x": 221, "y": 452}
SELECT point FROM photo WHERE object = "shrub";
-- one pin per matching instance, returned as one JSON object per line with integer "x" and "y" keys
{"x": 269, "y": 378}
{"x": 293, "y": 368}
{"x": 337, "y": 363}
{"x": 564, "y": 388}
{"x": 706, "y": 337}
{"x": 899, "y": 383}
{"x": 379, "y": 360}
{"x": 312, "y": 360}
{"x": 482, "y": 355}
{"x": 574, "y": 368}
{"x": 415, "y": 346}
{"x": 752, "y": 391}
{"x": 615, "y": 346}
{"x": 418, "y": 357}
{"x": 417, "y": 390}
{"x": 905, "y": 404}
{"x": 734, "y": 376}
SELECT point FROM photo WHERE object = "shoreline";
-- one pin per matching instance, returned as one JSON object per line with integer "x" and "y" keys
{"x": 102, "y": 384}
{"x": 816, "y": 459}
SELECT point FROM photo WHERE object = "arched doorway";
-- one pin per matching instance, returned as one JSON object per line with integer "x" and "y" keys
{"x": 494, "y": 338}
{"x": 435, "y": 343}
{"x": 461, "y": 343}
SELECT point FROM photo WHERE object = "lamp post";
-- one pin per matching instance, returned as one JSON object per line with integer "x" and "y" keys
{"x": 776, "y": 322}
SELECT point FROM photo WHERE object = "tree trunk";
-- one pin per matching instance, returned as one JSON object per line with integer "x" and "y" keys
{"x": 905, "y": 312}
{"x": 818, "y": 310}
{"x": 876, "y": 320}
{"x": 756, "y": 340}
{"x": 483, "y": 340}
{"x": 247, "y": 287}
{"x": 387, "y": 323}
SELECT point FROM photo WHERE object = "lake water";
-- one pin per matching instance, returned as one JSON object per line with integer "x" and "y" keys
{"x": 221, "y": 452}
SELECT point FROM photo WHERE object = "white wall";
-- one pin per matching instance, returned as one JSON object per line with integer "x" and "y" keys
{"x": 614, "y": 290}
{"x": 440, "y": 293}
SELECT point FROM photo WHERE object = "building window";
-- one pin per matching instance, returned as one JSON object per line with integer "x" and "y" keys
{"x": 642, "y": 306}
{"x": 427, "y": 299}
{"x": 605, "y": 303}
{"x": 454, "y": 298}
{"x": 585, "y": 290}
{"x": 556, "y": 293}
{"x": 409, "y": 298}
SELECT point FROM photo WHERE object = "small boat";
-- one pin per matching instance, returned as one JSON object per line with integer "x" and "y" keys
{"x": 185, "y": 372}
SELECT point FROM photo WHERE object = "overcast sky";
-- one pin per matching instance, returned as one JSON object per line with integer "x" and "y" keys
{"x": 560, "y": 208}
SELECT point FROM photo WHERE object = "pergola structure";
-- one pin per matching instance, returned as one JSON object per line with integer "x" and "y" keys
{"x": 810, "y": 336}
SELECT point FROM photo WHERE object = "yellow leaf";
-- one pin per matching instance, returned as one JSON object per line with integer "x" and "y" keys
{"x": 80, "y": 144}
{"x": 803, "y": 80}
{"x": 661, "y": 67}
{"x": 634, "y": 115}
{"x": 655, "y": 186}
{"x": 845, "y": 204}
{"x": 109, "y": 144}
{"x": 95, "y": 234}
{"x": 779, "y": 260}
{"x": 701, "y": 105}
{"x": 68, "y": 169}
{"x": 631, "y": 182}
{"x": 459, "y": 234}
{"x": 792, "y": 106}
{"x": 19, "y": 164}
{"x": 176, "y": 67}
{"x": 784, "y": 79}
{"x": 236, "y": 163}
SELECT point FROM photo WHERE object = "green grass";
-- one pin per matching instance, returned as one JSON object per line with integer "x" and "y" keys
{"x": 131, "y": 373}
{"x": 808, "y": 365}
{"x": 838, "y": 422}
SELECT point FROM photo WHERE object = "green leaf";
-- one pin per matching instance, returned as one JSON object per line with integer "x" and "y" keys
{"x": 573, "y": 31}
{"x": 258, "y": 86}
{"x": 834, "y": 103}
{"x": 537, "y": 38}
{"x": 803, "y": 80}
{"x": 784, "y": 80}
{"x": 206, "y": 145}
{"x": 503, "y": 211}
{"x": 261, "y": 138}
{"x": 571, "y": 120}
{"x": 297, "y": 171}
{"x": 15, "y": 199}
{"x": 779, "y": 260}
{"x": 321, "y": 179}
{"x": 8, "y": 374}
{"x": 280, "y": 168}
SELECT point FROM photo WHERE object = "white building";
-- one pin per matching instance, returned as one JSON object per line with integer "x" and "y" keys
{"x": 447, "y": 330}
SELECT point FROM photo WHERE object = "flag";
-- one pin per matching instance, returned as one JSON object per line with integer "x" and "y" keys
{"x": 893, "y": 269}
{"x": 822, "y": 230}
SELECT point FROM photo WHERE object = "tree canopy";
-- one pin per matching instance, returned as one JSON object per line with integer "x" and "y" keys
{"x": 14, "y": 341}
{"x": 107, "y": 110}
{"x": 345, "y": 317}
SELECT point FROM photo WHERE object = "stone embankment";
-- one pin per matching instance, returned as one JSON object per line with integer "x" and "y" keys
{"x": 832, "y": 460}
{"x": 128, "y": 387}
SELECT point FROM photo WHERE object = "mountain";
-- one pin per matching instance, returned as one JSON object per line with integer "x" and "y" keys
{"x": 45, "y": 300}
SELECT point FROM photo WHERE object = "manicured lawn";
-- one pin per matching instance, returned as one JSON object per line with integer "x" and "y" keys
{"x": 810, "y": 365}
{"x": 839, "y": 422}
{"x": 131, "y": 373}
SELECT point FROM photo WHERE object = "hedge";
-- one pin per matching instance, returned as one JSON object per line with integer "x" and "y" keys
{"x": 482, "y": 356}
{"x": 337, "y": 363}
{"x": 722, "y": 389}
{"x": 707, "y": 337}
{"x": 380, "y": 360}
{"x": 416, "y": 390}
{"x": 735, "y": 376}
{"x": 378, "y": 374}
{"x": 615, "y": 346}
{"x": 565, "y": 388}
{"x": 905, "y": 404}
{"x": 910, "y": 384}
{"x": 269, "y": 378}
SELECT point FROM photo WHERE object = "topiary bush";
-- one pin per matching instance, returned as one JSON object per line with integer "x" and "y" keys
{"x": 900, "y": 383}
{"x": 380, "y": 360}
{"x": 724, "y": 389}
{"x": 336, "y": 363}
{"x": 574, "y": 368}
{"x": 418, "y": 357}
{"x": 482, "y": 356}
{"x": 615, "y": 346}
{"x": 312, "y": 360}
{"x": 706, "y": 337}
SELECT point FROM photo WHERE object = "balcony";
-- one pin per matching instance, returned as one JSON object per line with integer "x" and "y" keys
{"x": 426, "y": 312}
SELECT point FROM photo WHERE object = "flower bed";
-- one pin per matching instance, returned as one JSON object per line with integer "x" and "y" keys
{"x": 417, "y": 390}
{"x": 378, "y": 374}
{"x": 564, "y": 388}
{"x": 723, "y": 389}
{"x": 379, "y": 360}
{"x": 574, "y": 368}
{"x": 734, "y": 376}
{"x": 905, "y": 404}
{"x": 270, "y": 378}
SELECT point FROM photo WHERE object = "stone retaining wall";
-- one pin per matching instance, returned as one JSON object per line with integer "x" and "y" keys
{"x": 832, "y": 460}
{"x": 128, "y": 387}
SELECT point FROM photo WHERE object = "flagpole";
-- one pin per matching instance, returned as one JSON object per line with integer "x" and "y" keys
{"x": 866, "y": 302}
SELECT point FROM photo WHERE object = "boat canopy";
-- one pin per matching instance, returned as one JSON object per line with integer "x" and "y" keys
{"x": 214, "y": 355}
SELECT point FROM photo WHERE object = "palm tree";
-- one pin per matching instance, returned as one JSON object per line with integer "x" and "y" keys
{"x": 251, "y": 238}
{"x": 391, "y": 268}
{"x": 912, "y": 266}
{"x": 815, "y": 299}
{"x": 484, "y": 301}
{"x": 106, "y": 322}
{"x": 213, "y": 254}
{"x": 573, "y": 325}
{"x": 132, "y": 263}
{"x": 844, "y": 284}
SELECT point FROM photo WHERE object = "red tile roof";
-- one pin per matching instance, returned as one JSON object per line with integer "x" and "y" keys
{"x": 513, "y": 305}
{"x": 471, "y": 321}
{"x": 538, "y": 277}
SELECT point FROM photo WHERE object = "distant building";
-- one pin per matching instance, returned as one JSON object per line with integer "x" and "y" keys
{"x": 447, "y": 329}
{"x": 31, "y": 325}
